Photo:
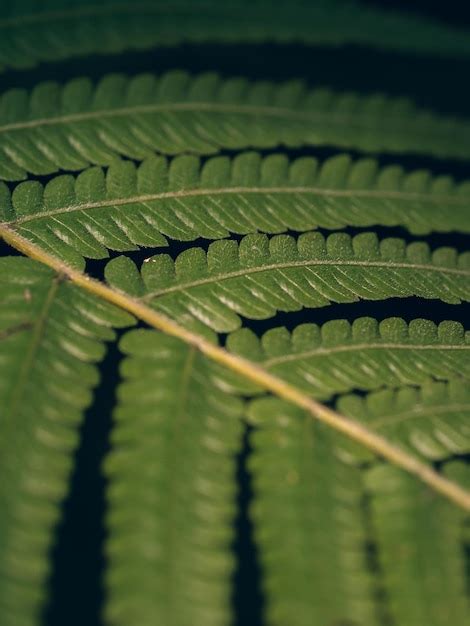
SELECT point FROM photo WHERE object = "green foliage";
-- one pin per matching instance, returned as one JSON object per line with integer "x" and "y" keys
{"x": 185, "y": 199}
{"x": 300, "y": 484}
{"x": 332, "y": 509}
{"x": 418, "y": 541}
{"x": 345, "y": 535}
{"x": 61, "y": 29}
{"x": 172, "y": 493}
{"x": 365, "y": 355}
{"x": 260, "y": 276}
{"x": 431, "y": 420}
{"x": 68, "y": 127}
{"x": 51, "y": 336}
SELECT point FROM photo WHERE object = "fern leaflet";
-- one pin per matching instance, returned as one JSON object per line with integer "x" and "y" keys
{"x": 432, "y": 420}
{"x": 419, "y": 546}
{"x": 301, "y": 483}
{"x": 68, "y": 127}
{"x": 51, "y": 336}
{"x": 61, "y": 30}
{"x": 183, "y": 199}
{"x": 260, "y": 276}
{"x": 339, "y": 357}
{"x": 171, "y": 524}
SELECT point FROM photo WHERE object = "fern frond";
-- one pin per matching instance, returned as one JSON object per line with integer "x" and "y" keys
{"x": 62, "y": 30}
{"x": 432, "y": 420}
{"x": 173, "y": 489}
{"x": 418, "y": 539}
{"x": 316, "y": 572}
{"x": 51, "y": 335}
{"x": 339, "y": 357}
{"x": 353, "y": 425}
{"x": 248, "y": 369}
{"x": 260, "y": 276}
{"x": 68, "y": 127}
{"x": 184, "y": 199}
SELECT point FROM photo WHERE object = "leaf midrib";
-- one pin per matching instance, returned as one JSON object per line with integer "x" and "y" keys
{"x": 298, "y": 356}
{"x": 177, "y": 423}
{"x": 308, "y": 263}
{"x": 216, "y": 107}
{"x": 410, "y": 414}
{"x": 449, "y": 199}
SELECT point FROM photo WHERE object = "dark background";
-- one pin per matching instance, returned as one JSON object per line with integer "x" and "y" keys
{"x": 77, "y": 591}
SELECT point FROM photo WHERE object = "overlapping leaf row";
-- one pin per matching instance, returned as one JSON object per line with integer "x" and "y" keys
{"x": 431, "y": 421}
{"x": 173, "y": 492}
{"x": 324, "y": 511}
{"x": 184, "y": 199}
{"x": 419, "y": 546}
{"x": 51, "y": 336}
{"x": 332, "y": 510}
{"x": 301, "y": 485}
{"x": 68, "y": 127}
{"x": 365, "y": 355}
{"x": 260, "y": 276}
{"x": 54, "y": 30}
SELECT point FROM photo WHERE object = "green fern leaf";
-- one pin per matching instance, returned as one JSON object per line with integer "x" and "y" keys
{"x": 184, "y": 200}
{"x": 68, "y": 127}
{"x": 60, "y": 30}
{"x": 261, "y": 276}
{"x": 339, "y": 356}
{"x": 301, "y": 484}
{"x": 433, "y": 420}
{"x": 172, "y": 490}
{"x": 419, "y": 545}
{"x": 51, "y": 336}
